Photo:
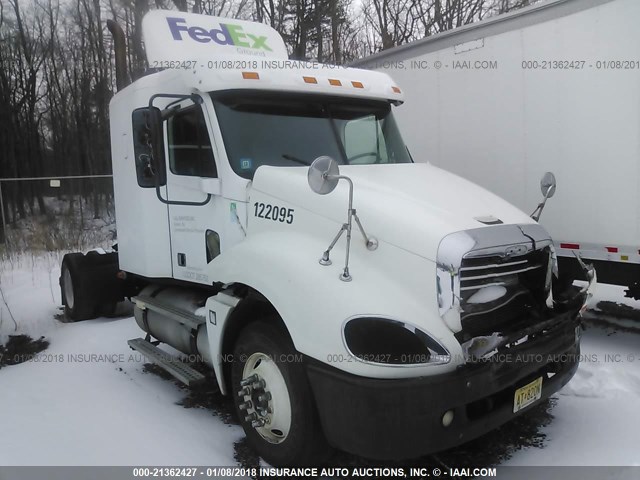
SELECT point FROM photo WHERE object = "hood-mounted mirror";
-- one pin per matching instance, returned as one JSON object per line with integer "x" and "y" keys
{"x": 548, "y": 185}
{"x": 548, "y": 189}
{"x": 323, "y": 177}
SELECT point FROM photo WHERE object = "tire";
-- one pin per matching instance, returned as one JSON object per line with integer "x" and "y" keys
{"x": 75, "y": 287}
{"x": 292, "y": 435}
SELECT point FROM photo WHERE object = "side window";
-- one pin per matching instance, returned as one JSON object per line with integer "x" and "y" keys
{"x": 364, "y": 142}
{"x": 145, "y": 172}
{"x": 190, "y": 151}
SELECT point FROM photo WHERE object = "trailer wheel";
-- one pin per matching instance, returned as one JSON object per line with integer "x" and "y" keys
{"x": 273, "y": 399}
{"x": 76, "y": 294}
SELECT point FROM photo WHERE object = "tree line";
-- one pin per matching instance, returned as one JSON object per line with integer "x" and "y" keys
{"x": 57, "y": 70}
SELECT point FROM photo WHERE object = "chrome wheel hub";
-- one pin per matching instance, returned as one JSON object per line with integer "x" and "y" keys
{"x": 264, "y": 398}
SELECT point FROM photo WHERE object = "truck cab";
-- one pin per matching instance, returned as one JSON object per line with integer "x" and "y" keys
{"x": 272, "y": 221}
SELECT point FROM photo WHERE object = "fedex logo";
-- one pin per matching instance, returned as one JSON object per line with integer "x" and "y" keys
{"x": 227, "y": 34}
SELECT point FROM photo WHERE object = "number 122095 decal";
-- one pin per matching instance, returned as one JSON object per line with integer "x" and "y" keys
{"x": 273, "y": 212}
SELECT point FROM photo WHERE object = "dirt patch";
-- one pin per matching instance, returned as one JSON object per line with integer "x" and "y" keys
{"x": 618, "y": 310}
{"x": 617, "y": 316}
{"x": 245, "y": 455}
{"x": 207, "y": 395}
{"x": 21, "y": 348}
{"x": 122, "y": 309}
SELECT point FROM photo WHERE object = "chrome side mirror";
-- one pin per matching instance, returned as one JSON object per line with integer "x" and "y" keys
{"x": 323, "y": 177}
{"x": 548, "y": 189}
{"x": 548, "y": 185}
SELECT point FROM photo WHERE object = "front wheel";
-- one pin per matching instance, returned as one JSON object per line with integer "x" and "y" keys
{"x": 273, "y": 399}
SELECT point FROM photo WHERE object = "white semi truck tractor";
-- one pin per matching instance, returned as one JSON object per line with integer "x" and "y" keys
{"x": 272, "y": 222}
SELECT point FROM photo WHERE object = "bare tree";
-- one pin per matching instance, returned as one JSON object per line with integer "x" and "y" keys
{"x": 389, "y": 23}
{"x": 57, "y": 69}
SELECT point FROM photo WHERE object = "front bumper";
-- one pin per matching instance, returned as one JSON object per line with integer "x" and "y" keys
{"x": 402, "y": 418}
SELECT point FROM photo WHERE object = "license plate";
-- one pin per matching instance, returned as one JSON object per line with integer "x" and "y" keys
{"x": 527, "y": 395}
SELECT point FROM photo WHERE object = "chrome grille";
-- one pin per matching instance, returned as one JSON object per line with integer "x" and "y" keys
{"x": 493, "y": 279}
{"x": 500, "y": 293}
{"x": 478, "y": 276}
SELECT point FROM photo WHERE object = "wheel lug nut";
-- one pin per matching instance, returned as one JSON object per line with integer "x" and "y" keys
{"x": 245, "y": 405}
{"x": 244, "y": 391}
{"x": 259, "y": 384}
{"x": 257, "y": 423}
{"x": 251, "y": 418}
{"x": 248, "y": 380}
{"x": 265, "y": 397}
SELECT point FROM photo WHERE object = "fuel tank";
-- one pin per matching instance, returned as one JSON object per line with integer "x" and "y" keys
{"x": 167, "y": 327}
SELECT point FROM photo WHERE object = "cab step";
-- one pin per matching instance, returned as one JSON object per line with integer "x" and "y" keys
{"x": 168, "y": 362}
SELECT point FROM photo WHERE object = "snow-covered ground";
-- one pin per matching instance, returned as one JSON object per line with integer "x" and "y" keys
{"x": 596, "y": 419}
{"x": 72, "y": 409}
{"x": 69, "y": 408}
{"x": 86, "y": 399}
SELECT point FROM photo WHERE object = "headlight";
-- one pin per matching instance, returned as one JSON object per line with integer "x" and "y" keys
{"x": 390, "y": 342}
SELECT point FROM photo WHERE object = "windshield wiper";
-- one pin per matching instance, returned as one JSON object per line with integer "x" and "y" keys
{"x": 295, "y": 159}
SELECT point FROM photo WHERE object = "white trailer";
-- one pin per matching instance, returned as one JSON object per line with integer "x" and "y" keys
{"x": 236, "y": 246}
{"x": 552, "y": 87}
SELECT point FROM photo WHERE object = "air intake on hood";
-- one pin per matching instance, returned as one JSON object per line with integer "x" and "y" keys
{"x": 488, "y": 220}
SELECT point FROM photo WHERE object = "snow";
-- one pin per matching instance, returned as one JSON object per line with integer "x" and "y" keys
{"x": 29, "y": 284}
{"x": 595, "y": 419}
{"x": 80, "y": 411}
{"x": 71, "y": 409}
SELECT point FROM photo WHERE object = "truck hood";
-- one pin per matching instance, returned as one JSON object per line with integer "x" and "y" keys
{"x": 411, "y": 206}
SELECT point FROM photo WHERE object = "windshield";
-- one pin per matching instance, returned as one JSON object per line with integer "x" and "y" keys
{"x": 259, "y": 128}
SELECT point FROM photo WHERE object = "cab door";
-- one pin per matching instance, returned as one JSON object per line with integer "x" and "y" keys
{"x": 194, "y": 203}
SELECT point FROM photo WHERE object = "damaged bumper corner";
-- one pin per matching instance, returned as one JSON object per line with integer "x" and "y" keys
{"x": 574, "y": 297}
{"x": 592, "y": 280}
